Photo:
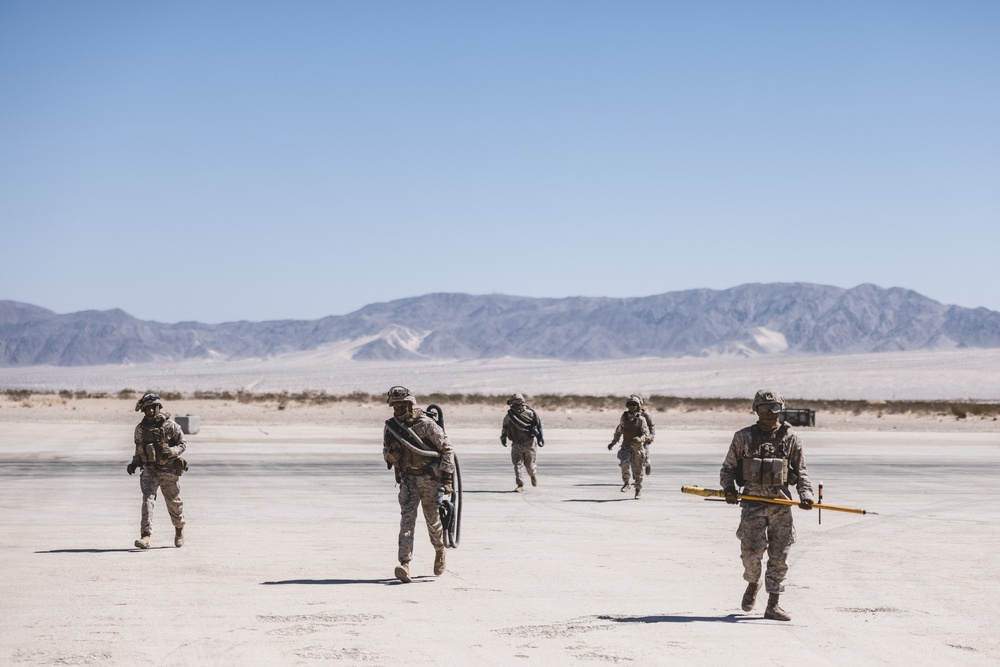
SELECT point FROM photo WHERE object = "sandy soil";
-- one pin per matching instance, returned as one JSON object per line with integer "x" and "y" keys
{"x": 923, "y": 375}
{"x": 292, "y": 523}
{"x": 50, "y": 408}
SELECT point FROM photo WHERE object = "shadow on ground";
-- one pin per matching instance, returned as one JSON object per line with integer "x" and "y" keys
{"x": 98, "y": 551}
{"x": 464, "y": 491}
{"x": 340, "y": 582}
{"x": 597, "y": 500}
{"x": 729, "y": 618}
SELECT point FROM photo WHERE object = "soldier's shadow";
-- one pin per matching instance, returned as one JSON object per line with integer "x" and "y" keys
{"x": 464, "y": 491}
{"x": 597, "y": 500}
{"x": 679, "y": 618}
{"x": 340, "y": 582}
{"x": 616, "y": 485}
{"x": 97, "y": 551}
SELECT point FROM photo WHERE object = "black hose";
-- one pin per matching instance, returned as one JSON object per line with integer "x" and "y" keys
{"x": 435, "y": 412}
{"x": 450, "y": 508}
{"x": 456, "y": 498}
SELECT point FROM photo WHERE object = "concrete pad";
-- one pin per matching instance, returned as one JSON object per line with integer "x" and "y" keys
{"x": 291, "y": 544}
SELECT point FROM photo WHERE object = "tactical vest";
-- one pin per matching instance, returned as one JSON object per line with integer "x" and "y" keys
{"x": 523, "y": 423}
{"x": 153, "y": 441}
{"x": 766, "y": 463}
{"x": 632, "y": 428}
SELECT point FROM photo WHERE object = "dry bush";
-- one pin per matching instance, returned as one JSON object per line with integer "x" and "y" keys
{"x": 654, "y": 403}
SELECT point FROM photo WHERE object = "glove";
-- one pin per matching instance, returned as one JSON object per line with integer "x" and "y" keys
{"x": 130, "y": 468}
{"x": 731, "y": 496}
{"x": 806, "y": 503}
{"x": 503, "y": 441}
{"x": 388, "y": 466}
{"x": 446, "y": 484}
{"x": 541, "y": 444}
{"x": 178, "y": 465}
{"x": 611, "y": 446}
{"x": 163, "y": 453}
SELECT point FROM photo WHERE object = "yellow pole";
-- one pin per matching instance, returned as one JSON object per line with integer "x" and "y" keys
{"x": 718, "y": 493}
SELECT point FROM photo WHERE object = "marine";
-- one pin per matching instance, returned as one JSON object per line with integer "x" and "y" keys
{"x": 633, "y": 431}
{"x": 421, "y": 456}
{"x": 652, "y": 429}
{"x": 159, "y": 443}
{"x": 765, "y": 459}
{"x": 523, "y": 427}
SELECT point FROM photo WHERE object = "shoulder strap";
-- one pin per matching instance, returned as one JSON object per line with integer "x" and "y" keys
{"x": 406, "y": 437}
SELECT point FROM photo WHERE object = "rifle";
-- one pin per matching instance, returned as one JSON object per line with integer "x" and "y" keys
{"x": 719, "y": 493}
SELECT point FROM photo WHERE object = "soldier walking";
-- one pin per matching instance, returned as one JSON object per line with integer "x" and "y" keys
{"x": 764, "y": 459}
{"x": 523, "y": 427}
{"x": 633, "y": 431}
{"x": 652, "y": 429}
{"x": 419, "y": 451}
{"x": 159, "y": 443}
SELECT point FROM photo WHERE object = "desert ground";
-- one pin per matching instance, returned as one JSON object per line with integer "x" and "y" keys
{"x": 291, "y": 542}
{"x": 968, "y": 374}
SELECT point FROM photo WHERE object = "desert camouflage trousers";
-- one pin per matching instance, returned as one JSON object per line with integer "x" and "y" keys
{"x": 768, "y": 528}
{"x": 414, "y": 491}
{"x": 149, "y": 481}
{"x": 522, "y": 455}
{"x": 632, "y": 460}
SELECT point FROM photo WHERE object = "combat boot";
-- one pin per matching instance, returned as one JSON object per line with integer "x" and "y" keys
{"x": 519, "y": 488}
{"x": 750, "y": 596}
{"x": 403, "y": 572}
{"x": 638, "y": 494}
{"x": 142, "y": 542}
{"x": 625, "y": 487}
{"x": 773, "y": 611}
{"x": 534, "y": 481}
{"x": 179, "y": 536}
{"x": 439, "y": 562}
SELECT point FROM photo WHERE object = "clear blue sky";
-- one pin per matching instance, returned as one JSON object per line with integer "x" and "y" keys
{"x": 219, "y": 161}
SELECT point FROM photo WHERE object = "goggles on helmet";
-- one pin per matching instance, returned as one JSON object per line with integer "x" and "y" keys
{"x": 398, "y": 393}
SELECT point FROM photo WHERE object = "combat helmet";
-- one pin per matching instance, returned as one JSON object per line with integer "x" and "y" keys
{"x": 634, "y": 398}
{"x": 147, "y": 400}
{"x": 515, "y": 399}
{"x": 767, "y": 396}
{"x": 399, "y": 394}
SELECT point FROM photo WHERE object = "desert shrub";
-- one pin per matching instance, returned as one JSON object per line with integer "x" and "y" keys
{"x": 654, "y": 403}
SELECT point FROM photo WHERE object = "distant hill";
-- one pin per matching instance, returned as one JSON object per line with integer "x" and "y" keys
{"x": 788, "y": 318}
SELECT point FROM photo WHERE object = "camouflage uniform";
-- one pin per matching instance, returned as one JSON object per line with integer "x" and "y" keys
{"x": 633, "y": 431}
{"x": 522, "y": 439}
{"x": 419, "y": 479}
{"x": 649, "y": 423}
{"x": 765, "y": 527}
{"x": 159, "y": 442}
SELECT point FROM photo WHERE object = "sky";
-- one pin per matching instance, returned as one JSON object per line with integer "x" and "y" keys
{"x": 222, "y": 161}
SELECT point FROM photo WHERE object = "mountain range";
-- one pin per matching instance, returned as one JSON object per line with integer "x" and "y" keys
{"x": 751, "y": 319}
